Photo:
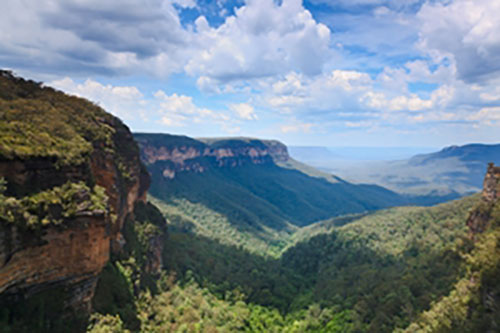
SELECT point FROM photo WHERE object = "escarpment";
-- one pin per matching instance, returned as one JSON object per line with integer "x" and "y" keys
{"x": 70, "y": 177}
{"x": 178, "y": 154}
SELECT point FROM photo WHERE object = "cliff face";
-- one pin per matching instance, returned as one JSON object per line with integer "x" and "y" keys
{"x": 47, "y": 140}
{"x": 181, "y": 154}
{"x": 491, "y": 185}
{"x": 72, "y": 257}
{"x": 480, "y": 217}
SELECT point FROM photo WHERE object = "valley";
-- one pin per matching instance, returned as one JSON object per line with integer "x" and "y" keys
{"x": 102, "y": 230}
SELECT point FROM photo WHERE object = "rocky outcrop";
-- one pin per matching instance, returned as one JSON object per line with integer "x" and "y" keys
{"x": 37, "y": 158}
{"x": 491, "y": 185}
{"x": 181, "y": 154}
{"x": 480, "y": 217}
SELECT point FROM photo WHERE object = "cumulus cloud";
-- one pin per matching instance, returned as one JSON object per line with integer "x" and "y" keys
{"x": 411, "y": 102}
{"x": 466, "y": 32}
{"x": 353, "y": 3}
{"x": 488, "y": 115}
{"x": 93, "y": 37}
{"x": 177, "y": 110}
{"x": 244, "y": 111}
{"x": 262, "y": 39}
{"x": 123, "y": 101}
{"x": 296, "y": 127}
{"x": 113, "y": 37}
{"x": 185, "y": 3}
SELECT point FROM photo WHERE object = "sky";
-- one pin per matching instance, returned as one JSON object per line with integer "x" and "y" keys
{"x": 386, "y": 73}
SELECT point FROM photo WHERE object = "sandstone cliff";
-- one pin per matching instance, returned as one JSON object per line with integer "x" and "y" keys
{"x": 180, "y": 154}
{"x": 71, "y": 176}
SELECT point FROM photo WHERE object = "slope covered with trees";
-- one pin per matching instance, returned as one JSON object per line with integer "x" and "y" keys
{"x": 248, "y": 192}
{"x": 380, "y": 273}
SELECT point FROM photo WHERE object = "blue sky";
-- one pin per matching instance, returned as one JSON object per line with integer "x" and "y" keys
{"x": 331, "y": 73}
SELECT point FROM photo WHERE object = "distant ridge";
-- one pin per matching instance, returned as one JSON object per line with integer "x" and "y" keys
{"x": 449, "y": 173}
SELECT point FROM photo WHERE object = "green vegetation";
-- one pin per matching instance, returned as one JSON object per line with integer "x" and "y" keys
{"x": 378, "y": 272}
{"x": 185, "y": 216}
{"x": 403, "y": 268}
{"x": 472, "y": 304}
{"x": 190, "y": 308}
{"x": 129, "y": 274}
{"x": 52, "y": 206}
{"x": 269, "y": 195}
{"x": 239, "y": 142}
{"x": 40, "y": 121}
{"x": 258, "y": 206}
{"x": 39, "y": 313}
{"x": 387, "y": 266}
{"x": 168, "y": 141}
{"x": 39, "y": 124}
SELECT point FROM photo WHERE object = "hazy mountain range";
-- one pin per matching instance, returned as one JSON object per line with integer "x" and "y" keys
{"x": 455, "y": 170}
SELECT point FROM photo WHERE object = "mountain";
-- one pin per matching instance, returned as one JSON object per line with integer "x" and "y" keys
{"x": 250, "y": 186}
{"x": 452, "y": 172}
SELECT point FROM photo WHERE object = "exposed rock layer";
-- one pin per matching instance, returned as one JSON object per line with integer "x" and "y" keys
{"x": 73, "y": 256}
{"x": 184, "y": 154}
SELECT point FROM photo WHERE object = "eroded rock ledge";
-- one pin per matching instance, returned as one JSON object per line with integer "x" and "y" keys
{"x": 182, "y": 154}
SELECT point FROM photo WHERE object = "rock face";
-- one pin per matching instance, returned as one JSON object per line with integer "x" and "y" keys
{"x": 72, "y": 256}
{"x": 491, "y": 185}
{"x": 35, "y": 158}
{"x": 182, "y": 154}
{"x": 479, "y": 218}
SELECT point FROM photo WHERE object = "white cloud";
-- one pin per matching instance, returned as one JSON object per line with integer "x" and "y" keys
{"x": 129, "y": 103}
{"x": 291, "y": 84}
{"x": 93, "y": 36}
{"x": 185, "y": 3}
{"x": 296, "y": 128}
{"x": 178, "y": 110}
{"x": 332, "y": 91}
{"x": 466, "y": 32}
{"x": 273, "y": 54}
{"x": 244, "y": 111}
{"x": 262, "y": 39}
{"x": 348, "y": 80}
{"x": 489, "y": 116}
{"x": 359, "y": 124}
{"x": 123, "y": 101}
{"x": 410, "y": 102}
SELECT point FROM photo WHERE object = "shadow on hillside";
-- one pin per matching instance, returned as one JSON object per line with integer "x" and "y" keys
{"x": 269, "y": 195}
{"x": 230, "y": 269}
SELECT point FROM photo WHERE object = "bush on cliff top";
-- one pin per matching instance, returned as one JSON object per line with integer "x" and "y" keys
{"x": 53, "y": 206}
{"x": 37, "y": 121}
